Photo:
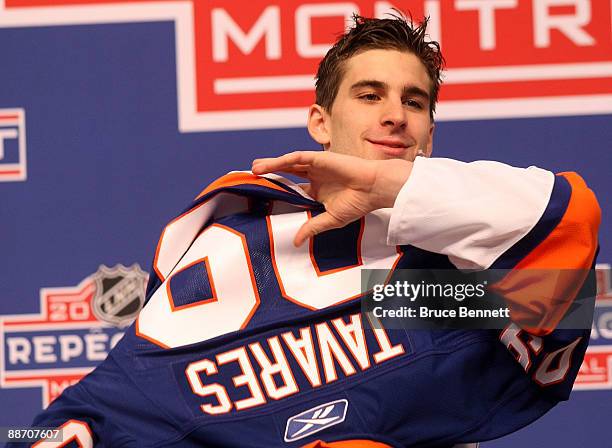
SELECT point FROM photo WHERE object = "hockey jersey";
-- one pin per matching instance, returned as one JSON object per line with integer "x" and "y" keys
{"x": 248, "y": 341}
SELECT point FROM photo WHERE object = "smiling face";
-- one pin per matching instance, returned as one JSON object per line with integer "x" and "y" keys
{"x": 381, "y": 110}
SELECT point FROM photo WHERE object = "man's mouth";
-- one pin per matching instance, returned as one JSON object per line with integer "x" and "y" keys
{"x": 390, "y": 146}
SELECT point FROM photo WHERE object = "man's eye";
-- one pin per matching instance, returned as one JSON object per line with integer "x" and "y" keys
{"x": 369, "y": 97}
{"x": 413, "y": 103}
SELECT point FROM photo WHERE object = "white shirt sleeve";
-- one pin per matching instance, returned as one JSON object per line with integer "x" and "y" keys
{"x": 471, "y": 212}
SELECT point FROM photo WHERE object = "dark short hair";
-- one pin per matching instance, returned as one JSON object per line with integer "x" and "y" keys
{"x": 394, "y": 33}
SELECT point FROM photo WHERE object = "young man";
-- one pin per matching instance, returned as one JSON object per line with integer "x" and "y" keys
{"x": 376, "y": 94}
{"x": 251, "y": 338}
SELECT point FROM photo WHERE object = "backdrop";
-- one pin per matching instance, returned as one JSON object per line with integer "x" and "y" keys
{"x": 114, "y": 115}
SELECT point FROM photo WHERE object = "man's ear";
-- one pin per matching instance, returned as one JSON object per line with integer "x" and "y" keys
{"x": 429, "y": 147}
{"x": 318, "y": 120}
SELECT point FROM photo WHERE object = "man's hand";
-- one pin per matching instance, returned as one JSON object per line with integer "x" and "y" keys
{"x": 348, "y": 186}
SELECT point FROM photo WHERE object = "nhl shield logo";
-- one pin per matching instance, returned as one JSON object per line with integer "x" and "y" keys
{"x": 76, "y": 328}
{"x": 119, "y": 294}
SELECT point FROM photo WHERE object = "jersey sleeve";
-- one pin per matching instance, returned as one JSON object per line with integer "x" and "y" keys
{"x": 102, "y": 410}
{"x": 480, "y": 213}
{"x": 541, "y": 228}
{"x": 77, "y": 418}
{"x": 81, "y": 424}
{"x": 538, "y": 229}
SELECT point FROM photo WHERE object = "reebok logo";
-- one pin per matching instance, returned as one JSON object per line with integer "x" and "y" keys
{"x": 315, "y": 420}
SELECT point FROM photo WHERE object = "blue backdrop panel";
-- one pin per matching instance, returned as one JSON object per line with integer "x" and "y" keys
{"x": 107, "y": 168}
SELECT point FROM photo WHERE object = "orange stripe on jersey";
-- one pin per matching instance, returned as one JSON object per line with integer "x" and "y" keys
{"x": 542, "y": 286}
{"x": 347, "y": 444}
{"x": 239, "y": 178}
{"x": 572, "y": 244}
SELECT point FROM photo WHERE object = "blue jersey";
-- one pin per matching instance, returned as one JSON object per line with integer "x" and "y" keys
{"x": 248, "y": 341}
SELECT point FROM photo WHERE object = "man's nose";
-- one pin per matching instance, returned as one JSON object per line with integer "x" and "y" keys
{"x": 393, "y": 113}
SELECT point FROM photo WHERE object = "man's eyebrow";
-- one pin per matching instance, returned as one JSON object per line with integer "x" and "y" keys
{"x": 372, "y": 83}
{"x": 415, "y": 91}
{"x": 410, "y": 90}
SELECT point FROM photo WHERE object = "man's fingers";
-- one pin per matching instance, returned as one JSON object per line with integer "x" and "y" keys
{"x": 314, "y": 226}
{"x": 298, "y": 170}
{"x": 339, "y": 168}
{"x": 284, "y": 162}
{"x": 307, "y": 188}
